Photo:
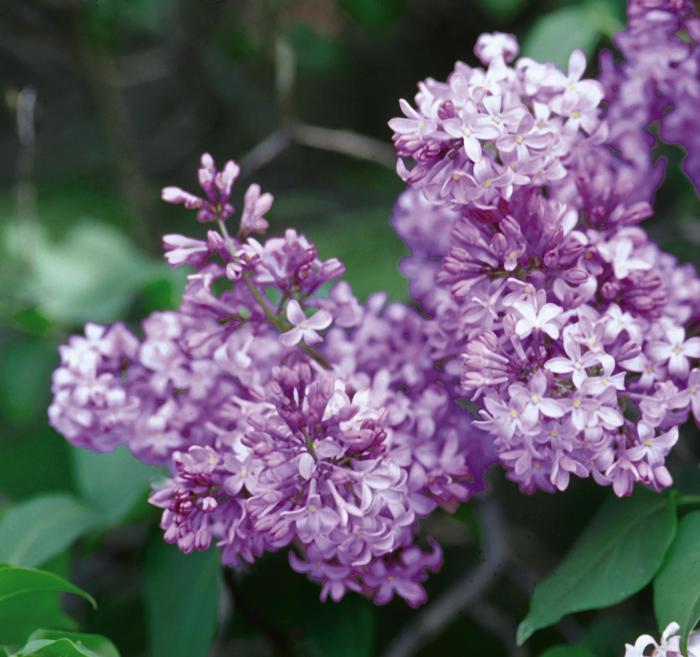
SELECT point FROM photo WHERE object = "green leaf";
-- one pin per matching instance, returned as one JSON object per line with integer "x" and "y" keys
{"x": 73, "y": 644}
{"x": 38, "y": 450}
{"x": 567, "y": 651}
{"x": 32, "y": 532}
{"x": 91, "y": 275}
{"x": 55, "y": 648}
{"x": 182, "y": 598}
{"x": 21, "y": 615}
{"x": 617, "y": 555}
{"x": 29, "y": 599}
{"x": 677, "y": 586}
{"x": 24, "y": 581}
{"x": 557, "y": 33}
{"x": 342, "y": 630}
{"x": 25, "y": 373}
{"x": 111, "y": 482}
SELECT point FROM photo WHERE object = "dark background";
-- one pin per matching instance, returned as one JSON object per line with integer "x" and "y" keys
{"x": 127, "y": 94}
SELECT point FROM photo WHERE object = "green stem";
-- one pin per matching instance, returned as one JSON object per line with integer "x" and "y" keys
{"x": 689, "y": 500}
{"x": 278, "y": 322}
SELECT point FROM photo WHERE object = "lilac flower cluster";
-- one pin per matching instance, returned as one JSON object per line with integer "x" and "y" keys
{"x": 657, "y": 84}
{"x": 567, "y": 325}
{"x": 484, "y": 133}
{"x": 288, "y": 414}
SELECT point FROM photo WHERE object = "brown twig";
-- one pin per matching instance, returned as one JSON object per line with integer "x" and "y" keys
{"x": 344, "y": 142}
{"x": 440, "y": 613}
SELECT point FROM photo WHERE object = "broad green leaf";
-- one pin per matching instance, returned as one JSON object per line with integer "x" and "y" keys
{"x": 29, "y": 599}
{"x": 182, "y": 597}
{"x": 21, "y": 615}
{"x": 607, "y": 17}
{"x": 557, "y": 33}
{"x": 39, "y": 450}
{"x": 111, "y": 482}
{"x": 32, "y": 532}
{"x": 567, "y": 651}
{"x": 73, "y": 644}
{"x": 28, "y": 581}
{"x": 55, "y": 648}
{"x": 25, "y": 372}
{"x": 91, "y": 275}
{"x": 342, "y": 630}
{"x": 677, "y": 586}
{"x": 617, "y": 555}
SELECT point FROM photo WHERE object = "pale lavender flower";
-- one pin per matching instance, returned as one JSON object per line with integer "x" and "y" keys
{"x": 674, "y": 350}
{"x": 303, "y": 327}
{"x": 534, "y": 318}
{"x": 496, "y": 44}
{"x": 255, "y": 206}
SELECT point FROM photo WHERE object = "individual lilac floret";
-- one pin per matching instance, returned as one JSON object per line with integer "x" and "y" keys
{"x": 304, "y": 328}
{"x": 646, "y": 645}
{"x": 255, "y": 206}
{"x": 494, "y": 45}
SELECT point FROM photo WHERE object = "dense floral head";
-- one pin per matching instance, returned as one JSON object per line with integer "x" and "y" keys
{"x": 288, "y": 414}
{"x": 484, "y": 133}
{"x": 573, "y": 331}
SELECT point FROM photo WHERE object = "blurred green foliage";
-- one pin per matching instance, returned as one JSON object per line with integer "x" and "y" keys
{"x": 618, "y": 555}
{"x": 676, "y": 590}
{"x": 130, "y": 92}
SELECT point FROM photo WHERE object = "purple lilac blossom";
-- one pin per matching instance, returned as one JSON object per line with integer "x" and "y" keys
{"x": 657, "y": 84}
{"x": 568, "y": 327}
{"x": 316, "y": 424}
{"x": 475, "y": 139}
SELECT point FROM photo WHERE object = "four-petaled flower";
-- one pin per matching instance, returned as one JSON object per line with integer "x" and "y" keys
{"x": 534, "y": 319}
{"x": 303, "y": 327}
{"x": 675, "y": 350}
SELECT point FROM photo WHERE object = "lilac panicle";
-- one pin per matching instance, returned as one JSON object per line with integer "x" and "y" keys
{"x": 289, "y": 415}
{"x": 568, "y": 327}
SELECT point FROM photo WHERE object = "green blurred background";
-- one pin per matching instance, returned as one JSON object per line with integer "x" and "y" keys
{"x": 106, "y": 101}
